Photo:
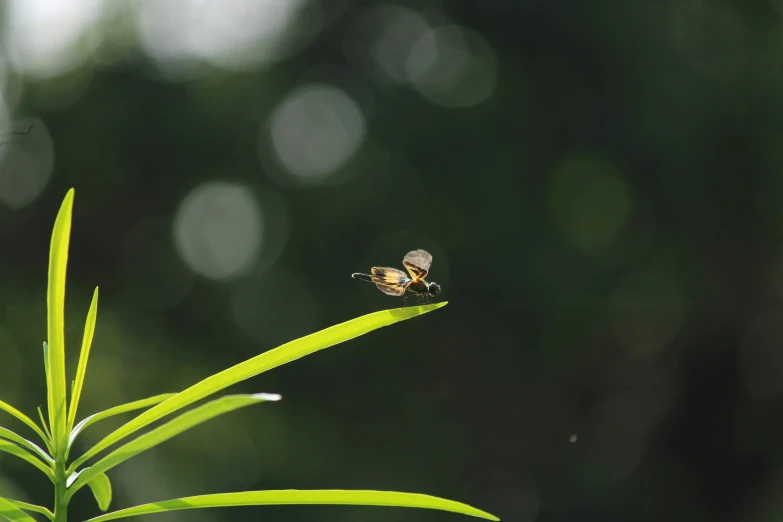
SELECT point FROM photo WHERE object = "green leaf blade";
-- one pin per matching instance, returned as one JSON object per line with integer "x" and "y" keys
{"x": 9, "y": 511}
{"x": 25, "y": 419}
{"x": 55, "y": 300}
{"x": 30, "y": 507}
{"x": 84, "y": 355}
{"x": 292, "y": 496}
{"x": 101, "y": 490}
{"x": 46, "y": 430}
{"x": 29, "y": 446}
{"x": 163, "y": 433}
{"x": 116, "y": 410}
{"x": 260, "y": 363}
{"x": 17, "y": 451}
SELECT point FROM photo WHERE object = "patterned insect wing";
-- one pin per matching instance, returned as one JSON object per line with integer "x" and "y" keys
{"x": 390, "y": 281}
{"x": 418, "y": 263}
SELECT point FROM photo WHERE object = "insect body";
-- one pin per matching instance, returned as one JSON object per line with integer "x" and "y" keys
{"x": 395, "y": 282}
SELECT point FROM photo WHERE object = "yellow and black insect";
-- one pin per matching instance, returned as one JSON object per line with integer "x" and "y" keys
{"x": 395, "y": 282}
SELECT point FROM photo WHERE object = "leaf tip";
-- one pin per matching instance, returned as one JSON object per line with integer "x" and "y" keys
{"x": 268, "y": 396}
{"x": 68, "y": 199}
{"x": 433, "y": 306}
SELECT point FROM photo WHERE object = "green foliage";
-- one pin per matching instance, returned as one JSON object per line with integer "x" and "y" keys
{"x": 116, "y": 410}
{"x": 101, "y": 490}
{"x": 55, "y": 303}
{"x": 293, "y": 496}
{"x": 60, "y": 433}
{"x": 12, "y": 511}
{"x": 81, "y": 369}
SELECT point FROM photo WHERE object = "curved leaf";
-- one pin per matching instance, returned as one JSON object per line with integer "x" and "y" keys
{"x": 293, "y": 496}
{"x": 123, "y": 408}
{"x": 260, "y": 363}
{"x": 17, "y": 451}
{"x": 24, "y": 418}
{"x": 11, "y": 512}
{"x": 101, "y": 490}
{"x": 55, "y": 301}
{"x": 33, "y": 448}
{"x": 30, "y": 507}
{"x": 100, "y": 486}
{"x": 166, "y": 431}
{"x": 84, "y": 355}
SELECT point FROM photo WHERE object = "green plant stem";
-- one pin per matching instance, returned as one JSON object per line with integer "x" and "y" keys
{"x": 60, "y": 488}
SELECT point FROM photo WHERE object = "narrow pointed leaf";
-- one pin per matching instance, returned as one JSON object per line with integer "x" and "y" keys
{"x": 29, "y": 446}
{"x": 260, "y": 363}
{"x": 9, "y": 511}
{"x": 46, "y": 429}
{"x": 101, "y": 490}
{"x": 24, "y": 418}
{"x": 13, "y": 449}
{"x": 46, "y": 361}
{"x": 55, "y": 300}
{"x": 123, "y": 408}
{"x": 81, "y": 369}
{"x": 166, "y": 431}
{"x": 30, "y": 507}
{"x": 293, "y": 496}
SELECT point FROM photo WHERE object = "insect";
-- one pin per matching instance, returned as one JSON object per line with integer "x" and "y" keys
{"x": 395, "y": 282}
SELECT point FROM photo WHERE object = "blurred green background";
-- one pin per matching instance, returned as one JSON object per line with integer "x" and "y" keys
{"x": 599, "y": 184}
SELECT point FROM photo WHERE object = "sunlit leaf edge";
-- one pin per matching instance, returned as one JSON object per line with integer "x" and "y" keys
{"x": 30, "y": 507}
{"x": 26, "y": 444}
{"x": 293, "y": 496}
{"x": 166, "y": 431}
{"x": 101, "y": 490}
{"x": 10, "y": 511}
{"x": 26, "y": 420}
{"x": 116, "y": 410}
{"x": 260, "y": 363}
{"x": 84, "y": 355}
{"x": 55, "y": 301}
{"x": 18, "y": 451}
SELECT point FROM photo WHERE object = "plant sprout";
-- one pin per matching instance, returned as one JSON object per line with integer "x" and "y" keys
{"x": 58, "y": 429}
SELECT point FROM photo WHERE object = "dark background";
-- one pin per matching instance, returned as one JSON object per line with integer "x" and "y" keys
{"x": 599, "y": 184}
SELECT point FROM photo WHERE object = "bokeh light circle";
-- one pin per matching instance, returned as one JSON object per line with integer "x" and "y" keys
{"x": 315, "y": 131}
{"x": 44, "y": 38}
{"x": 452, "y": 66}
{"x": 26, "y": 162}
{"x": 219, "y": 230}
{"x": 234, "y": 34}
{"x": 380, "y": 40}
{"x": 590, "y": 202}
{"x": 402, "y": 29}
